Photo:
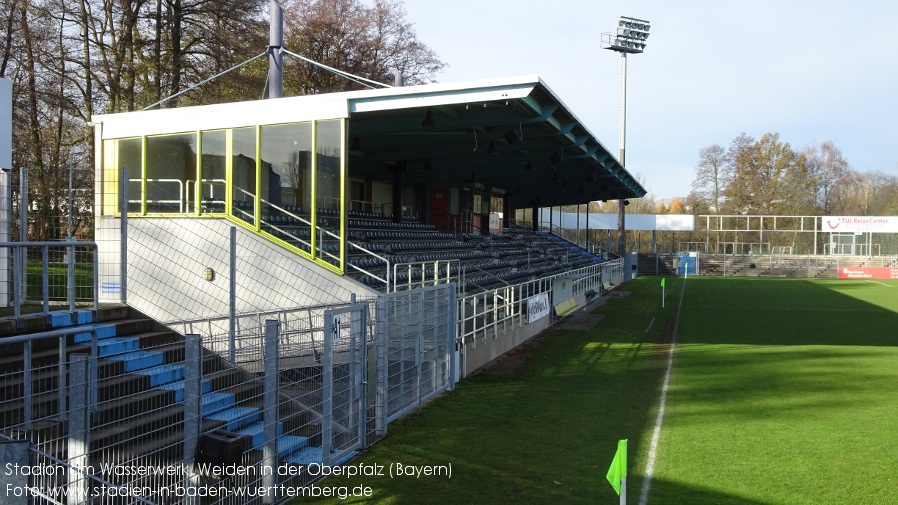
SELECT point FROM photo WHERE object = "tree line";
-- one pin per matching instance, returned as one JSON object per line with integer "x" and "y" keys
{"x": 767, "y": 176}
{"x": 71, "y": 59}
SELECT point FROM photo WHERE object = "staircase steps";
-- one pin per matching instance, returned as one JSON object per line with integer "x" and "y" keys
{"x": 140, "y": 392}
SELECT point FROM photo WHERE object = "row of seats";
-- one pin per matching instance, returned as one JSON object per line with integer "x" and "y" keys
{"x": 400, "y": 235}
{"x": 382, "y": 224}
{"x": 442, "y": 256}
{"x": 398, "y": 247}
{"x": 487, "y": 260}
{"x": 358, "y": 214}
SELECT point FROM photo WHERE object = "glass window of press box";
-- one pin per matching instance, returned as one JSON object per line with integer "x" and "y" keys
{"x": 284, "y": 181}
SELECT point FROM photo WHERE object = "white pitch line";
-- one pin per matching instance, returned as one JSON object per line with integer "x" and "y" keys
{"x": 649, "y": 327}
{"x": 656, "y": 434}
{"x": 881, "y": 284}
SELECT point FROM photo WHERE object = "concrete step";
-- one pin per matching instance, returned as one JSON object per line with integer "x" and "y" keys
{"x": 133, "y": 406}
{"x": 163, "y": 374}
{"x": 153, "y": 449}
{"x": 117, "y": 345}
{"x": 178, "y": 388}
{"x": 236, "y": 418}
{"x": 138, "y": 360}
{"x": 215, "y": 402}
{"x": 256, "y": 434}
{"x": 130, "y": 430}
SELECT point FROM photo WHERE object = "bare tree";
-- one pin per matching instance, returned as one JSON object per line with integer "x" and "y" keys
{"x": 739, "y": 193}
{"x": 870, "y": 194}
{"x": 370, "y": 42}
{"x": 710, "y": 176}
{"x": 70, "y": 59}
{"x": 829, "y": 169}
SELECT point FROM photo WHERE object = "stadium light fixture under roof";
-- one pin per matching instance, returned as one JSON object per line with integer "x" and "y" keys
{"x": 629, "y": 36}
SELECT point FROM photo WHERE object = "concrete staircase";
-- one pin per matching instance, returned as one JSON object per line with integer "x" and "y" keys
{"x": 140, "y": 394}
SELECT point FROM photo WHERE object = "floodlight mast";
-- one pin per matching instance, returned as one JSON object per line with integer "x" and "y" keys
{"x": 628, "y": 38}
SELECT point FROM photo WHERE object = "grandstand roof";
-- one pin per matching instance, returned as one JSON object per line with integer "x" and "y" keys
{"x": 543, "y": 154}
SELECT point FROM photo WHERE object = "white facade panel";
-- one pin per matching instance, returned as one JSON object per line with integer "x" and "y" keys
{"x": 429, "y": 100}
{"x": 641, "y": 222}
{"x": 167, "y": 259}
{"x": 219, "y": 116}
{"x": 675, "y": 222}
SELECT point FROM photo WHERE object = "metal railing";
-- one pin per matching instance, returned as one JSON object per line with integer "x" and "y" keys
{"x": 385, "y": 280}
{"x": 296, "y": 395}
{"x": 494, "y": 312}
{"x": 52, "y": 401}
{"x": 78, "y": 283}
{"x": 425, "y": 273}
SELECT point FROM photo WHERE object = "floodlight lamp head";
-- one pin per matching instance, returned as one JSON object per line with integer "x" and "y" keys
{"x": 629, "y": 35}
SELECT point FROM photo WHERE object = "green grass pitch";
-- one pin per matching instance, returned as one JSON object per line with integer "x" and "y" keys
{"x": 782, "y": 391}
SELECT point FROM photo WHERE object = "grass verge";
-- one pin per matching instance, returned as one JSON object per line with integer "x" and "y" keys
{"x": 545, "y": 434}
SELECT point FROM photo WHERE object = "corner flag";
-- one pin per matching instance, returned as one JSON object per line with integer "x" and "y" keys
{"x": 617, "y": 474}
{"x": 662, "y": 282}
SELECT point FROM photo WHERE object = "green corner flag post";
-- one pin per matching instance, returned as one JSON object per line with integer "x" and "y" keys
{"x": 617, "y": 474}
{"x": 662, "y": 293}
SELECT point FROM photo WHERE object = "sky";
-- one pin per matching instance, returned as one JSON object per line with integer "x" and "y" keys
{"x": 812, "y": 71}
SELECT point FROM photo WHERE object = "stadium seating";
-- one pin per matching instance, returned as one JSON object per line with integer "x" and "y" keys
{"x": 487, "y": 260}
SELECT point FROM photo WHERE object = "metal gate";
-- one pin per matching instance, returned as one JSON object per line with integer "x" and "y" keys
{"x": 343, "y": 383}
{"x": 416, "y": 349}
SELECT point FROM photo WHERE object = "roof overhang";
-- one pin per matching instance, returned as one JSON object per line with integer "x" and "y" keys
{"x": 514, "y": 134}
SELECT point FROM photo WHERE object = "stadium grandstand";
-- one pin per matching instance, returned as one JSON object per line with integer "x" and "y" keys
{"x": 276, "y": 281}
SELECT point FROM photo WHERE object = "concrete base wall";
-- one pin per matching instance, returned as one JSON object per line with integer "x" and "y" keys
{"x": 479, "y": 353}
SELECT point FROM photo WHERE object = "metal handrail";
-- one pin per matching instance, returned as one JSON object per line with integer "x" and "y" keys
{"x": 587, "y": 276}
{"x": 181, "y": 194}
{"x": 386, "y": 281}
{"x": 423, "y": 265}
{"x": 503, "y": 281}
{"x": 201, "y": 181}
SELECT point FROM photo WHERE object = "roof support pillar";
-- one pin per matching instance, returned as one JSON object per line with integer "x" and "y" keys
{"x": 397, "y": 193}
{"x": 506, "y": 211}
{"x": 534, "y": 212}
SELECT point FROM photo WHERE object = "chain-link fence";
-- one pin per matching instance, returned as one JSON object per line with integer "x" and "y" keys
{"x": 155, "y": 414}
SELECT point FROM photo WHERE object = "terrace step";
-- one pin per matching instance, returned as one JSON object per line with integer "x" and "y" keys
{"x": 236, "y": 418}
{"x": 178, "y": 388}
{"x": 140, "y": 392}
{"x": 256, "y": 433}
